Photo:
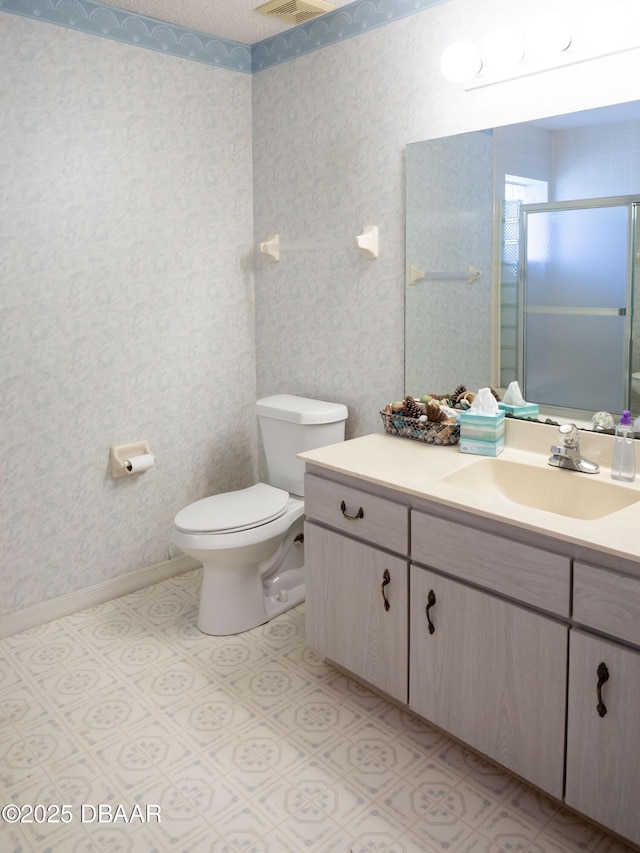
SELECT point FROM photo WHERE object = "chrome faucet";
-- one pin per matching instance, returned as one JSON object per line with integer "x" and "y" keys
{"x": 567, "y": 454}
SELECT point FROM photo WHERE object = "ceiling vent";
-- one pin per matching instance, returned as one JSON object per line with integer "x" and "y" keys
{"x": 295, "y": 11}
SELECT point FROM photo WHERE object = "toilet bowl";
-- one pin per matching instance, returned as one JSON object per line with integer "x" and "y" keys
{"x": 250, "y": 541}
{"x": 250, "y": 545}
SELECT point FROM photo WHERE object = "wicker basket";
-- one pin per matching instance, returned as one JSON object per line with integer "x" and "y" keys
{"x": 427, "y": 431}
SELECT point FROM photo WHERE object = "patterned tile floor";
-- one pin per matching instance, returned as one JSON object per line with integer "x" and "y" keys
{"x": 244, "y": 743}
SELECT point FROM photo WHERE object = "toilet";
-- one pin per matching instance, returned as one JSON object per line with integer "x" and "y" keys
{"x": 250, "y": 541}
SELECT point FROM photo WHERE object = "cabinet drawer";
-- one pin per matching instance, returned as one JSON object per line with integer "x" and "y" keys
{"x": 378, "y": 520}
{"x": 536, "y": 577}
{"x": 607, "y": 602}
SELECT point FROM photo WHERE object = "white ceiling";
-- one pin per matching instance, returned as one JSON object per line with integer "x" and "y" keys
{"x": 236, "y": 20}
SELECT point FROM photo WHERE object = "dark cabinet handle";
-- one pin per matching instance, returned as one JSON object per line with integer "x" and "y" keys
{"x": 603, "y": 675}
{"x": 431, "y": 600}
{"x": 359, "y": 514}
{"x": 386, "y": 579}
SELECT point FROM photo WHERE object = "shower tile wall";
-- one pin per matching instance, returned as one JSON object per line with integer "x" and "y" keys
{"x": 127, "y": 301}
{"x": 597, "y": 161}
{"x": 524, "y": 151}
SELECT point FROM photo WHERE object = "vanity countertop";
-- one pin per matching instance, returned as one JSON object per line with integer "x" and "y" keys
{"x": 419, "y": 469}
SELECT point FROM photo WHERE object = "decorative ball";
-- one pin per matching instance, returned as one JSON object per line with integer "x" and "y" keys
{"x": 602, "y": 421}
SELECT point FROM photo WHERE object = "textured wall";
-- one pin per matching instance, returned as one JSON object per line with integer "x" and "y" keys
{"x": 449, "y": 227}
{"x": 127, "y": 301}
{"x": 126, "y": 262}
{"x": 330, "y": 130}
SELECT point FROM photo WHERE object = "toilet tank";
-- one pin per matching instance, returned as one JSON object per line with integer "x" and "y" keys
{"x": 291, "y": 424}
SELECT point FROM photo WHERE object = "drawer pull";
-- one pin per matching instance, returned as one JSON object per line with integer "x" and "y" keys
{"x": 359, "y": 514}
{"x": 386, "y": 579}
{"x": 603, "y": 675}
{"x": 431, "y": 600}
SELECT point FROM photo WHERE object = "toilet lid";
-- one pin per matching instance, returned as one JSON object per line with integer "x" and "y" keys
{"x": 231, "y": 511}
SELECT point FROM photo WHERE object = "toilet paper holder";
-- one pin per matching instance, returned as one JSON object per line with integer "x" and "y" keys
{"x": 129, "y": 459}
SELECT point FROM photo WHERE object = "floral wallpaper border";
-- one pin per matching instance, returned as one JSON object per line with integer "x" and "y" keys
{"x": 345, "y": 22}
{"x": 109, "y": 22}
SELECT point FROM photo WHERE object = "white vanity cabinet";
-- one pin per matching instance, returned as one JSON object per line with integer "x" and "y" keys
{"x": 603, "y": 728}
{"x": 510, "y": 640}
{"x": 357, "y": 594}
{"x": 491, "y": 672}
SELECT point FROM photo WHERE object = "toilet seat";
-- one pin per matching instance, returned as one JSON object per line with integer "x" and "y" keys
{"x": 235, "y": 511}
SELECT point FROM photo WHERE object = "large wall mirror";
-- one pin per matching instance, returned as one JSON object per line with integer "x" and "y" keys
{"x": 522, "y": 251}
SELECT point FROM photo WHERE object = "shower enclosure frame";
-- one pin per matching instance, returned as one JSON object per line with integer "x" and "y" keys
{"x": 631, "y": 203}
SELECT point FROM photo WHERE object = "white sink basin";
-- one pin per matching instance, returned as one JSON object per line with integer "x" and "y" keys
{"x": 568, "y": 493}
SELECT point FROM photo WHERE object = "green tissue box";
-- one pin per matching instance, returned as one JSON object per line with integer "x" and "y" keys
{"x": 530, "y": 410}
{"x": 482, "y": 434}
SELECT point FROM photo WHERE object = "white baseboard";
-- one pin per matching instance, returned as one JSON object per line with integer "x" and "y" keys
{"x": 30, "y": 617}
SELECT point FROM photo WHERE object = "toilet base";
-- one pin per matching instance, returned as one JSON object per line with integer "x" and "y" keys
{"x": 227, "y": 607}
{"x": 285, "y": 600}
{"x": 236, "y": 596}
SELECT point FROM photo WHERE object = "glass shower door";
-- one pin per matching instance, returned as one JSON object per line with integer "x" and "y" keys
{"x": 575, "y": 280}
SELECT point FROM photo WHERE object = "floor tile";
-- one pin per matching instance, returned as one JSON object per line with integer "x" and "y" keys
{"x": 243, "y": 744}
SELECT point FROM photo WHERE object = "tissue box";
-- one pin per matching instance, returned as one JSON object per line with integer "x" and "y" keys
{"x": 529, "y": 410}
{"x": 482, "y": 434}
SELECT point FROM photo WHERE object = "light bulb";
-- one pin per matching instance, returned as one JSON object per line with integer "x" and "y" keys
{"x": 605, "y": 25}
{"x": 460, "y": 62}
{"x": 502, "y": 49}
{"x": 548, "y": 34}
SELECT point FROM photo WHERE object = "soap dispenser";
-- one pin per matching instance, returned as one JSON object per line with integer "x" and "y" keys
{"x": 623, "y": 465}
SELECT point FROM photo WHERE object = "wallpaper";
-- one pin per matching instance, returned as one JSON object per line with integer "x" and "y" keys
{"x": 111, "y": 22}
{"x": 134, "y": 187}
{"x": 330, "y": 130}
{"x": 448, "y": 321}
{"x": 127, "y": 301}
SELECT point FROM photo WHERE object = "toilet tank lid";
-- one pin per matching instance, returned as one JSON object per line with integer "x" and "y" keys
{"x": 301, "y": 410}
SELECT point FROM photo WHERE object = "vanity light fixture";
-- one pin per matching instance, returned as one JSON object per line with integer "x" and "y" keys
{"x": 548, "y": 35}
{"x": 547, "y": 44}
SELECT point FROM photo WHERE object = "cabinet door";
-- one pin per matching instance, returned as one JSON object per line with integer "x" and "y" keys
{"x": 347, "y": 620}
{"x": 602, "y": 751}
{"x": 492, "y": 674}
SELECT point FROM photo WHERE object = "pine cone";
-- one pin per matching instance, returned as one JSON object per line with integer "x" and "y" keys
{"x": 412, "y": 408}
{"x": 434, "y": 413}
{"x": 460, "y": 390}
